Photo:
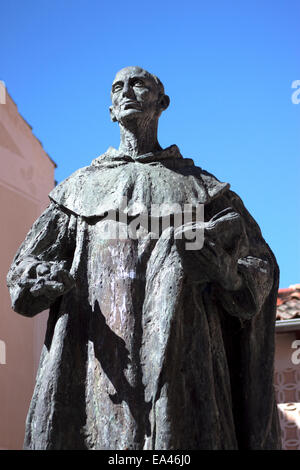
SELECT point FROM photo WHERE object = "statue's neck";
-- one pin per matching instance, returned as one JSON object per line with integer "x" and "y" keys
{"x": 139, "y": 138}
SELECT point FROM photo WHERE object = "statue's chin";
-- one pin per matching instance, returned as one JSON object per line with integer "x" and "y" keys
{"x": 129, "y": 116}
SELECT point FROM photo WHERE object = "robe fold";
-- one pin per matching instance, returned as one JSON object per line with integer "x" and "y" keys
{"x": 149, "y": 349}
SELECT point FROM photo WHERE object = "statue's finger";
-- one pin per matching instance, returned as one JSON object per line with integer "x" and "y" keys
{"x": 48, "y": 287}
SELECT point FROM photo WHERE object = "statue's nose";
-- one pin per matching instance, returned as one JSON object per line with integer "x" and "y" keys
{"x": 127, "y": 90}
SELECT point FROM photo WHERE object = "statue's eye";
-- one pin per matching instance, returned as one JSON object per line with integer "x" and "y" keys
{"x": 117, "y": 87}
{"x": 138, "y": 83}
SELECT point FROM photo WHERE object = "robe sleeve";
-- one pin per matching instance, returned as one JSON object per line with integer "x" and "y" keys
{"x": 249, "y": 344}
{"x": 257, "y": 268}
{"x": 51, "y": 239}
{"x": 254, "y": 268}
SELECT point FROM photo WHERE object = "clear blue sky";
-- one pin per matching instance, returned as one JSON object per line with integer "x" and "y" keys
{"x": 228, "y": 67}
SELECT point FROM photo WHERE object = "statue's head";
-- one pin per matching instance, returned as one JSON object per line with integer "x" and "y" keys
{"x": 137, "y": 94}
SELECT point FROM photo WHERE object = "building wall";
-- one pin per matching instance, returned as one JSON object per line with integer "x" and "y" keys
{"x": 26, "y": 178}
{"x": 287, "y": 387}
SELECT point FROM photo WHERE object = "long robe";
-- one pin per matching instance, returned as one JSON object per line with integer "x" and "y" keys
{"x": 148, "y": 350}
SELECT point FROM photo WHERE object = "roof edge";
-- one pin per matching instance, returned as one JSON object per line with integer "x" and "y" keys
{"x": 282, "y": 326}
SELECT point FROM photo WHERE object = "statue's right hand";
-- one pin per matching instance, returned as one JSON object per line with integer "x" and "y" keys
{"x": 48, "y": 279}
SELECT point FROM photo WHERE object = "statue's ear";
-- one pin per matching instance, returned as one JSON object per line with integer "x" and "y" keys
{"x": 112, "y": 114}
{"x": 164, "y": 102}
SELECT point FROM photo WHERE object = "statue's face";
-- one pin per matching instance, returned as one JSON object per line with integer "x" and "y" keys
{"x": 134, "y": 95}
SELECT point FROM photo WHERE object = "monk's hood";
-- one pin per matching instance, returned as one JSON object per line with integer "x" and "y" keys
{"x": 115, "y": 181}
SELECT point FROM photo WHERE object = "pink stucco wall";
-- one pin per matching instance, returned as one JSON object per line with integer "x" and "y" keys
{"x": 287, "y": 387}
{"x": 26, "y": 178}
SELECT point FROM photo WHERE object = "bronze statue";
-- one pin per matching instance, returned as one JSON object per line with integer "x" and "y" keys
{"x": 149, "y": 345}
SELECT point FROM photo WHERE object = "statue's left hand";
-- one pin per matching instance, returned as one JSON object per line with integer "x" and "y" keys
{"x": 225, "y": 242}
